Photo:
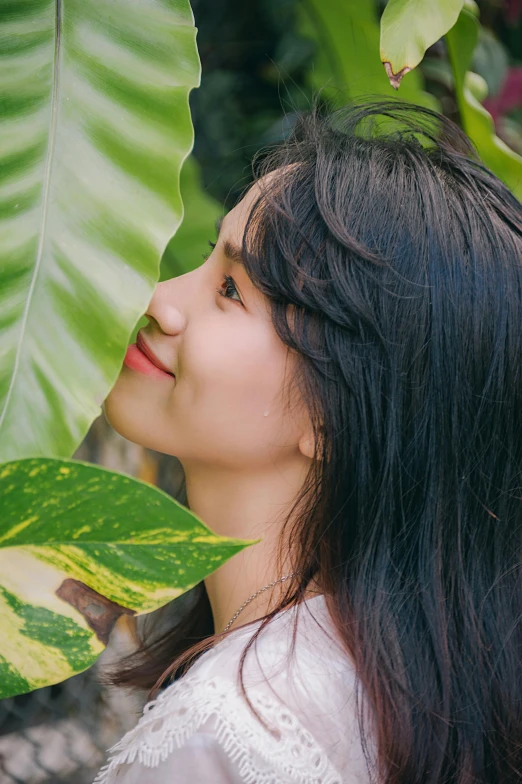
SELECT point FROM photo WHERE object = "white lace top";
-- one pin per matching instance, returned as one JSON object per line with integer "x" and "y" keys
{"x": 201, "y": 729}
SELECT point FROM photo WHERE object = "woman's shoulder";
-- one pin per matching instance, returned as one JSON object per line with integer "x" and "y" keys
{"x": 291, "y": 717}
{"x": 297, "y": 657}
{"x": 297, "y": 640}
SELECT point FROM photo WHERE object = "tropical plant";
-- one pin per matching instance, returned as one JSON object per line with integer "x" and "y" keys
{"x": 471, "y": 90}
{"x": 95, "y": 127}
{"x": 408, "y": 28}
{"x": 80, "y": 547}
{"x": 346, "y": 64}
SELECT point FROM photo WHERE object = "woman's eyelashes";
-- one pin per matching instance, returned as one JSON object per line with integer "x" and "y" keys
{"x": 228, "y": 286}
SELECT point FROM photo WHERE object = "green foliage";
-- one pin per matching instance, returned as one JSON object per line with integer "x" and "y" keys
{"x": 79, "y": 547}
{"x": 254, "y": 67}
{"x": 346, "y": 35}
{"x": 260, "y": 69}
{"x": 490, "y": 60}
{"x": 190, "y": 243}
{"x": 476, "y": 121}
{"x": 94, "y": 128}
{"x": 408, "y": 28}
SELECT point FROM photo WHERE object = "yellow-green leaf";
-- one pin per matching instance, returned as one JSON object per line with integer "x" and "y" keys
{"x": 79, "y": 547}
{"x": 408, "y": 28}
{"x": 347, "y": 62}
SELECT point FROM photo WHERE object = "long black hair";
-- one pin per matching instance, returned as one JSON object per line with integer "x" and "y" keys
{"x": 392, "y": 261}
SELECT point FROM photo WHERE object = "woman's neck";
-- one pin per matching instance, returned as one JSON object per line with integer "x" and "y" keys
{"x": 246, "y": 505}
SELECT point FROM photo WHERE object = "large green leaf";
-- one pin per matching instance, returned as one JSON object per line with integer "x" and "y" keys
{"x": 408, "y": 28}
{"x": 79, "y": 547}
{"x": 94, "y": 127}
{"x": 470, "y": 89}
{"x": 347, "y": 63}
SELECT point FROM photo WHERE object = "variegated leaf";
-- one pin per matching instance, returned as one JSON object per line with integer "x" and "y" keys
{"x": 79, "y": 547}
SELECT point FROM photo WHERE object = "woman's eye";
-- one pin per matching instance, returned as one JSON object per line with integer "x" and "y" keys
{"x": 228, "y": 289}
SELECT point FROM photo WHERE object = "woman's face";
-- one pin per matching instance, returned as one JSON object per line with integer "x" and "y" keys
{"x": 223, "y": 406}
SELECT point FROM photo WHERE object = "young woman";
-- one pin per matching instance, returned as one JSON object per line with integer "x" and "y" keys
{"x": 342, "y": 379}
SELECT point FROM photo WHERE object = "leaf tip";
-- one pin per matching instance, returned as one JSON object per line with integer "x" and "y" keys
{"x": 395, "y": 78}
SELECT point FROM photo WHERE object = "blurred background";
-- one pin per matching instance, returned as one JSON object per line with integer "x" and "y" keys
{"x": 263, "y": 62}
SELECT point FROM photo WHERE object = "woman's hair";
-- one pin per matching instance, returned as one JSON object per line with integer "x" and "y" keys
{"x": 400, "y": 256}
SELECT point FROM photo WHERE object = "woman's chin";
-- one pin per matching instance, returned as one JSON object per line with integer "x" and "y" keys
{"x": 123, "y": 414}
{"x": 137, "y": 418}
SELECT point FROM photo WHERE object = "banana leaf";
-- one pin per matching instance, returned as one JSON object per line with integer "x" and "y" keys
{"x": 94, "y": 128}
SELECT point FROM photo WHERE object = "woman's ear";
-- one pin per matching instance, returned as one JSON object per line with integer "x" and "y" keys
{"x": 307, "y": 446}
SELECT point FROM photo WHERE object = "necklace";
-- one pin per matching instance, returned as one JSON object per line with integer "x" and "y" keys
{"x": 254, "y": 596}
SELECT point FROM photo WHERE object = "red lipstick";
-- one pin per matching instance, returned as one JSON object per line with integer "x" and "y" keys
{"x": 140, "y": 357}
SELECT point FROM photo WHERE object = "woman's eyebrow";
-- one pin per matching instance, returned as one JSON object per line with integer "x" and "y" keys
{"x": 231, "y": 251}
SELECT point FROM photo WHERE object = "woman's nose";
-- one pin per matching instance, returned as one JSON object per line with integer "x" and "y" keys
{"x": 164, "y": 308}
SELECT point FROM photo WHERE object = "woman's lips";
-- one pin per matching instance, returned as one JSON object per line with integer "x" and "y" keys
{"x": 136, "y": 359}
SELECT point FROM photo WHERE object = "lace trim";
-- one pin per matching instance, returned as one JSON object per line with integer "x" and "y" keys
{"x": 286, "y": 754}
